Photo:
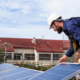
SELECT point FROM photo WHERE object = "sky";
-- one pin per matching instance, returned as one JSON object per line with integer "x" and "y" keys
{"x": 28, "y": 18}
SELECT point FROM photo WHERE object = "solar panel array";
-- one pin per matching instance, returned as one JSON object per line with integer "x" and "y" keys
{"x": 11, "y": 72}
{"x": 62, "y": 71}
{"x": 6, "y": 67}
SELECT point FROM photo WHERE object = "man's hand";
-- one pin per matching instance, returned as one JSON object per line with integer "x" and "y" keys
{"x": 63, "y": 59}
{"x": 79, "y": 61}
{"x": 78, "y": 57}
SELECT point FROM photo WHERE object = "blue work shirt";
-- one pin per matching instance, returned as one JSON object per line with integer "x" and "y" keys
{"x": 72, "y": 26}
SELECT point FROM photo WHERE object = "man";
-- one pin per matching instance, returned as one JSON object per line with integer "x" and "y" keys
{"x": 71, "y": 28}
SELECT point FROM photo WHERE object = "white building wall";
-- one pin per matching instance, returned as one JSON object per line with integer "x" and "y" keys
{"x": 33, "y": 51}
{"x": 46, "y": 62}
{"x": 36, "y": 56}
{"x": 49, "y": 62}
{"x": 52, "y": 59}
{"x": 23, "y": 52}
{"x": 55, "y": 62}
{"x": 30, "y": 51}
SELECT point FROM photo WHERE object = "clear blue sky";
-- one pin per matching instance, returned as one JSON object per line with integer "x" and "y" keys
{"x": 28, "y": 18}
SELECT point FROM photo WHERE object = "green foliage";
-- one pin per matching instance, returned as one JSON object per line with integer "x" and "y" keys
{"x": 70, "y": 60}
{"x": 74, "y": 78}
{"x": 34, "y": 66}
{"x": 1, "y": 55}
{"x": 60, "y": 55}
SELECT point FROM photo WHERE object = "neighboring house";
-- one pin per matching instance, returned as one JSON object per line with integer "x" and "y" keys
{"x": 34, "y": 50}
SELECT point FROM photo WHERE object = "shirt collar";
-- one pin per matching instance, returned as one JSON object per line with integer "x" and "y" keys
{"x": 64, "y": 25}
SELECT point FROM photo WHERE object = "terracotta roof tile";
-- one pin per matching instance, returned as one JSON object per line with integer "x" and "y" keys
{"x": 42, "y": 45}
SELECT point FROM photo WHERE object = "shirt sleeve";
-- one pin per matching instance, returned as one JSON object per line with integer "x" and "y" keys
{"x": 78, "y": 21}
{"x": 70, "y": 52}
{"x": 75, "y": 30}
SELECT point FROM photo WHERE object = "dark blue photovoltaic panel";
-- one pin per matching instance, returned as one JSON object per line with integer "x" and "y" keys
{"x": 18, "y": 70}
{"x": 48, "y": 76}
{"x": 27, "y": 78}
{"x": 4, "y": 65}
{"x": 38, "y": 79}
{"x": 6, "y": 78}
{"x": 26, "y": 73}
{"x": 58, "y": 72}
{"x": 7, "y": 68}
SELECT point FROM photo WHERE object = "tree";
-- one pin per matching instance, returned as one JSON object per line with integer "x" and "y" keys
{"x": 1, "y": 54}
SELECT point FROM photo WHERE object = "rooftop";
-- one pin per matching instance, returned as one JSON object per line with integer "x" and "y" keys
{"x": 41, "y": 45}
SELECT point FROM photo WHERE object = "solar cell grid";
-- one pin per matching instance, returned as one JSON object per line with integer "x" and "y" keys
{"x": 60, "y": 72}
{"x": 2, "y": 65}
{"x": 11, "y": 72}
{"x": 28, "y": 77}
{"x": 27, "y": 73}
{"x": 8, "y": 68}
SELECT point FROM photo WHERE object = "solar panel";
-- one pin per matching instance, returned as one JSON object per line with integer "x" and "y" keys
{"x": 6, "y": 67}
{"x": 62, "y": 71}
{"x": 5, "y": 64}
{"x": 18, "y": 70}
{"x": 27, "y": 73}
{"x": 29, "y": 77}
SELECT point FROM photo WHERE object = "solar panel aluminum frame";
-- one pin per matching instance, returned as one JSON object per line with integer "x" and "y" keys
{"x": 73, "y": 74}
{"x": 66, "y": 78}
{"x": 43, "y": 72}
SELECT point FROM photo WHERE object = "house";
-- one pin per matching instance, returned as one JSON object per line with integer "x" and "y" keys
{"x": 34, "y": 50}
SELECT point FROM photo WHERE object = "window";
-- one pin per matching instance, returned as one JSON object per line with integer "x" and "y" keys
{"x": 44, "y": 56}
{"x": 17, "y": 56}
{"x": 9, "y": 56}
{"x": 30, "y": 56}
{"x": 56, "y": 56}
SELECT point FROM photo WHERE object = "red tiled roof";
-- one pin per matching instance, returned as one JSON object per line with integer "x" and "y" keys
{"x": 42, "y": 45}
{"x": 66, "y": 44}
{"x": 55, "y": 45}
{"x": 9, "y": 47}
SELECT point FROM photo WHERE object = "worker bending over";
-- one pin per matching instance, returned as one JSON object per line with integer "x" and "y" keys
{"x": 71, "y": 27}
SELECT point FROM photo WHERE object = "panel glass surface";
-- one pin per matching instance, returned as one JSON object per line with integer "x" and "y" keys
{"x": 11, "y": 72}
{"x": 7, "y": 68}
{"x": 5, "y": 65}
{"x": 58, "y": 72}
{"x": 27, "y": 73}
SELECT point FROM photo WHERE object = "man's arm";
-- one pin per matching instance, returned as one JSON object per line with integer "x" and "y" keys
{"x": 69, "y": 53}
{"x": 74, "y": 30}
